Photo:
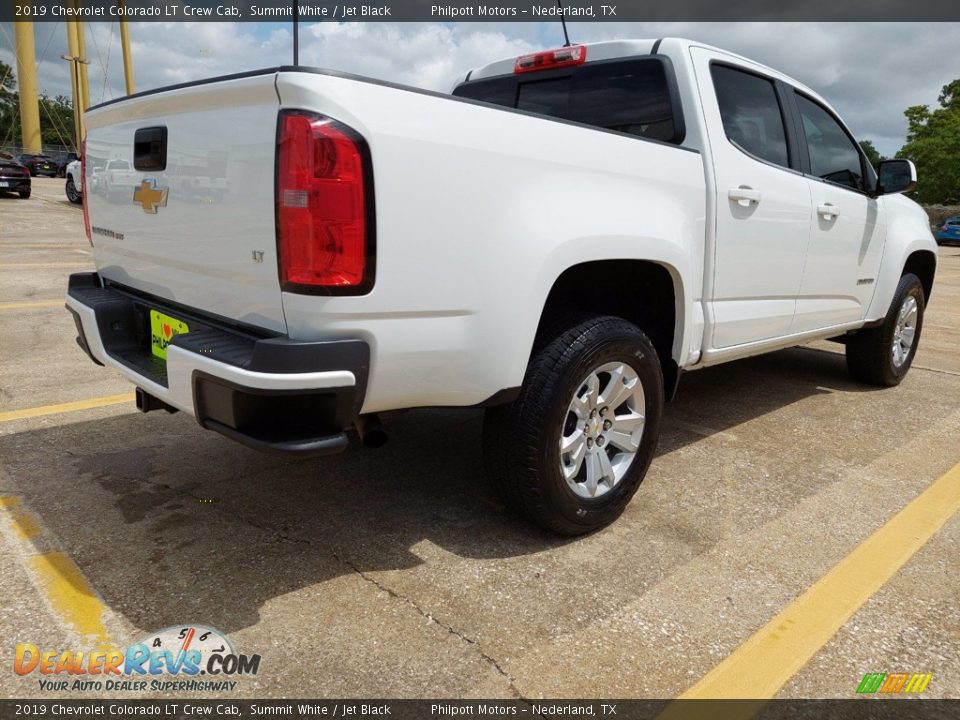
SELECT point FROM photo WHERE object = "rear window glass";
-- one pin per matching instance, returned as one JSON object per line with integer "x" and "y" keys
{"x": 632, "y": 97}
{"x": 751, "y": 114}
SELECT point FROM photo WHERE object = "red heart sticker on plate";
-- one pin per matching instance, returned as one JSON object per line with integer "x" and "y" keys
{"x": 166, "y": 330}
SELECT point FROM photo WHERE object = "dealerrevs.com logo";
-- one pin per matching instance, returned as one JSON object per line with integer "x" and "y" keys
{"x": 185, "y": 658}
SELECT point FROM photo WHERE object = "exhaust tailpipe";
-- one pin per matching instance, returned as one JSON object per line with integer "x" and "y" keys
{"x": 371, "y": 432}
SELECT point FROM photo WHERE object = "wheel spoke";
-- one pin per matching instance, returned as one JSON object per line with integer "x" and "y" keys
{"x": 626, "y": 432}
{"x": 594, "y": 473}
{"x": 907, "y": 335}
{"x": 580, "y": 407}
{"x": 574, "y": 448}
{"x": 606, "y": 469}
{"x": 618, "y": 388}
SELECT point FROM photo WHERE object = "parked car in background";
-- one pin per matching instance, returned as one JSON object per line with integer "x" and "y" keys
{"x": 14, "y": 177}
{"x": 949, "y": 230}
{"x": 40, "y": 165}
{"x": 74, "y": 183}
{"x": 64, "y": 161}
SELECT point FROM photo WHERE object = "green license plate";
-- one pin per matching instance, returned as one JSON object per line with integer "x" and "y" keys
{"x": 163, "y": 329}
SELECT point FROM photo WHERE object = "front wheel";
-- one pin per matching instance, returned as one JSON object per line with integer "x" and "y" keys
{"x": 882, "y": 355}
{"x": 72, "y": 194}
{"x": 573, "y": 448}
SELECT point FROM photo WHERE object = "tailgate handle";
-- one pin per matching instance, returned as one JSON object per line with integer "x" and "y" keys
{"x": 150, "y": 148}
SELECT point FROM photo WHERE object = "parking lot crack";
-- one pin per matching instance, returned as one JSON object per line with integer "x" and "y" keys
{"x": 396, "y": 595}
{"x": 489, "y": 659}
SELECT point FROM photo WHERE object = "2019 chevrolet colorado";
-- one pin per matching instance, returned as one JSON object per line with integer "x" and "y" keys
{"x": 555, "y": 241}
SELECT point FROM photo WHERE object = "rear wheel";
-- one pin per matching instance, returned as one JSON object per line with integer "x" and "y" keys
{"x": 24, "y": 194}
{"x": 573, "y": 448}
{"x": 72, "y": 194}
{"x": 882, "y": 355}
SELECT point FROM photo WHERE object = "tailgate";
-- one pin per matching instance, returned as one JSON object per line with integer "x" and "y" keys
{"x": 200, "y": 231}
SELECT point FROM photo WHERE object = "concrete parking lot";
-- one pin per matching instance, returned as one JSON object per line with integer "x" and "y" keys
{"x": 397, "y": 573}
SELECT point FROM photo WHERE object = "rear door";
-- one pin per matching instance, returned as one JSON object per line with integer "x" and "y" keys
{"x": 849, "y": 228}
{"x": 763, "y": 203}
{"x": 184, "y": 209}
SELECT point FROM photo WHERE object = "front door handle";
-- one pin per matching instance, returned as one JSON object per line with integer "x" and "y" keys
{"x": 828, "y": 210}
{"x": 744, "y": 195}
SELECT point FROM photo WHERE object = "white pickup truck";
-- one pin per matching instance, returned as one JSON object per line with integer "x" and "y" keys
{"x": 555, "y": 241}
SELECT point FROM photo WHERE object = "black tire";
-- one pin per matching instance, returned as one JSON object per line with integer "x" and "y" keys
{"x": 24, "y": 194}
{"x": 72, "y": 194}
{"x": 522, "y": 440}
{"x": 870, "y": 352}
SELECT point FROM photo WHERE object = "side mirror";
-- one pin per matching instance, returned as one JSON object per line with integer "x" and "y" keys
{"x": 896, "y": 176}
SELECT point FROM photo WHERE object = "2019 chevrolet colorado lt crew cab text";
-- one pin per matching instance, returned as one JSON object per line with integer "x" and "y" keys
{"x": 555, "y": 241}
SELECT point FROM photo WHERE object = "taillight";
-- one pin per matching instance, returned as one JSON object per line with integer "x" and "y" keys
{"x": 549, "y": 59}
{"x": 83, "y": 191}
{"x": 324, "y": 207}
{"x": 943, "y": 229}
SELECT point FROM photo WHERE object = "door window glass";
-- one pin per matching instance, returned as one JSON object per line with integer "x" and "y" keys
{"x": 751, "y": 114}
{"x": 833, "y": 155}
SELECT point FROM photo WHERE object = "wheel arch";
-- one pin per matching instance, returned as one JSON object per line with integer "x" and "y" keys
{"x": 923, "y": 264}
{"x": 648, "y": 293}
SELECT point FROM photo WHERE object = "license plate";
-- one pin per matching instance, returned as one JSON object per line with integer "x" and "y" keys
{"x": 163, "y": 329}
{"x": 4, "y": 183}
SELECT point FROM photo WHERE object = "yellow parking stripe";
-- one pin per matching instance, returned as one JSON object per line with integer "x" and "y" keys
{"x": 15, "y": 266}
{"x": 44, "y": 246}
{"x": 29, "y": 305}
{"x": 69, "y": 594}
{"x": 65, "y": 407}
{"x": 775, "y": 653}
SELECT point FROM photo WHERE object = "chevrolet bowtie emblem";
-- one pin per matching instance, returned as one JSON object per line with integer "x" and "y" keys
{"x": 150, "y": 196}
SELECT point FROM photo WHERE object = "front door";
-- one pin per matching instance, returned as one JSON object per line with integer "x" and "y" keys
{"x": 848, "y": 232}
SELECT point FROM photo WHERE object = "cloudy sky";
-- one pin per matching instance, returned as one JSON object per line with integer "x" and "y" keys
{"x": 869, "y": 71}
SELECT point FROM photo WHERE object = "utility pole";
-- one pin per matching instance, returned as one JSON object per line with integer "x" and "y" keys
{"x": 82, "y": 51}
{"x": 27, "y": 82}
{"x": 77, "y": 61}
{"x": 125, "y": 45}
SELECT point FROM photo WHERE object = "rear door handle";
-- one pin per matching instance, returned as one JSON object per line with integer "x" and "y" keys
{"x": 828, "y": 210}
{"x": 744, "y": 195}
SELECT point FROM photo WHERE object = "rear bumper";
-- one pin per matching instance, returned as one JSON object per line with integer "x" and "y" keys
{"x": 270, "y": 393}
{"x": 17, "y": 183}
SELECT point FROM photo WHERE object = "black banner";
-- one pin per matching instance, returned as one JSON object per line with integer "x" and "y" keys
{"x": 504, "y": 11}
{"x": 175, "y": 709}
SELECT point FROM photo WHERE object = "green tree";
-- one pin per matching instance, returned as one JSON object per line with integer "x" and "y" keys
{"x": 56, "y": 120}
{"x": 9, "y": 105}
{"x": 873, "y": 155}
{"x": 933, "y": 143}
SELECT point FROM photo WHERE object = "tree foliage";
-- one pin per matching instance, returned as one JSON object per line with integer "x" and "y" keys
{"x": 56, "y": 113}
{"x": 873, "y": 155}
{"x": 9, "y": 112}
{"x": 933, "y": 143}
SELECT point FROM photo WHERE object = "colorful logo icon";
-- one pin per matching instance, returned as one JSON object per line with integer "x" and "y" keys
{"x": 894, "y": 683}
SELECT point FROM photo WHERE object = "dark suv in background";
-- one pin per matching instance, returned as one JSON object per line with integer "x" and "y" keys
{"x": 40, "y": 165}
